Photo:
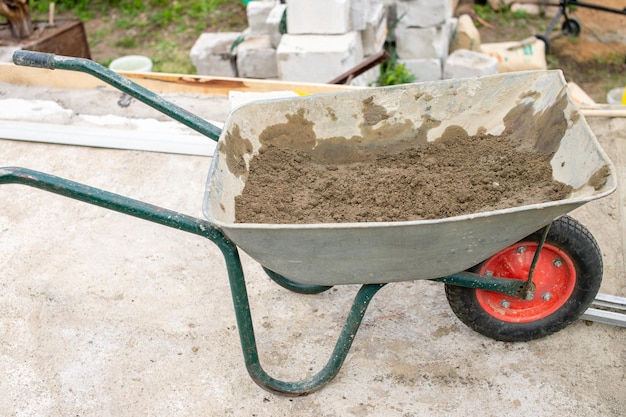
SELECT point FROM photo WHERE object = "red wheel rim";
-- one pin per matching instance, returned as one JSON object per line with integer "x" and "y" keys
{"x": 554, "y": 278}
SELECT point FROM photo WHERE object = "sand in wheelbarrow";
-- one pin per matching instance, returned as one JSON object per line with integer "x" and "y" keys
{"x": 454, "y": 175}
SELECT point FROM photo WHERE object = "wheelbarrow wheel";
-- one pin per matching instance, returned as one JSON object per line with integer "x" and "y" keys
{"x": 567, "y": 278}
{"x": 571, "y": 27}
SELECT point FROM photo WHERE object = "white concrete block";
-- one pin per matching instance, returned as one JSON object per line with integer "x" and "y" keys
{"x": 429, "y": 69}
{"x": 423, "y": 43}
{"x": 424, "y": 13}
{"x": 319, "y": 17}
{"x": 464, "y": 63}
{"x": 256, "y": 58}
{"x": 273, "y": 23}
{"x": 360, "y": 13}
{"x": 211, "y": 54}
{"x": 375, "y": 32}
{"x": 318, "y": 58}
{"x": 257, "y": 13}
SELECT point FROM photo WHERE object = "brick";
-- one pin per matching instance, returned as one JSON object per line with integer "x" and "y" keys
{"x": 257, "y": 13}
{"x": 424, "y": 13}
{"x": 273, "y": 23}
{"x": 318, "y": 58}
{"x": 429, "y": 69}
{"x": 360, "y": 13}
{"x": 375, "y": 32}
{"x": 256, "y": 58}
{"x": 319, "y": 17}
{"x": 464, "y": 63}
{"x": 423, "y": 43}
{"x": 211, "y": 54}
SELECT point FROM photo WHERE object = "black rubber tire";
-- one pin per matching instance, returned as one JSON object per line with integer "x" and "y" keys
{"x": 546, "y": 42}
{"x": 576, "y": 242}
{"x": 571, "y": 27}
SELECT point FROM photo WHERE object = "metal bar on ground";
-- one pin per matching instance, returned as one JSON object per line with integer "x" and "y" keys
{"x": 601, "y": 310}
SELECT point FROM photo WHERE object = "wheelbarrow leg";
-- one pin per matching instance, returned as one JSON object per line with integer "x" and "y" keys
{"x": 248, "y": 341}
{"x": 179, "y": 221}
{"x": 560, "y": 13}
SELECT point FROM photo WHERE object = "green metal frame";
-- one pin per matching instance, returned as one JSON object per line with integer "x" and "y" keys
{"x": 200, "y": 227}
{"x": 176, "y": 220}
{"x": 205, "y": 229}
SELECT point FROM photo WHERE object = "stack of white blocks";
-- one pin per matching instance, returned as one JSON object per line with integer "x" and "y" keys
{"x": 256, "y": 55}
{"x": 326, "y": 38}
{"x": 215, "y": 53}
{"x": 423, "y": 35}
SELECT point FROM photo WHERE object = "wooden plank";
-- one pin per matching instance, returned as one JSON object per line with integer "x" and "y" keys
{"x": 160, "y": 82}
{"x": 608, "y": 111}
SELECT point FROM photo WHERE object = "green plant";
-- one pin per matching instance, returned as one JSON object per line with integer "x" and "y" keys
{"x": 504, "y": 16}
{"x": 123, "y": 23}
{"x": 98, "y": 36}
{"x": 394, "y": 73}
{"x": 80, "y": 8}
{"x": 485, "y": 12}
{"x": 520, "y": 15}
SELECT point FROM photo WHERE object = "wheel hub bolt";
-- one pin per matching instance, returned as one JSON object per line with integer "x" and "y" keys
{"x": 521, "y": 249}
{"x": 557, "y": 263}
{"x": 505, "y": 304}
{"x": 547, "y": 296}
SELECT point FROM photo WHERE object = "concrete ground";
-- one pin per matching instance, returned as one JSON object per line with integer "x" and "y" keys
{"x": 103, "y": 314}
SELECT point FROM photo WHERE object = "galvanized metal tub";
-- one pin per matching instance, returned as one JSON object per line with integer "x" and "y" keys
{"x": 535, "y": 103}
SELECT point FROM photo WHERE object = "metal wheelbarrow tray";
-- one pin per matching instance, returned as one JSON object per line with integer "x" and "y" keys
{"x": 356, "y": 253}
{"x": 513, "y": 274}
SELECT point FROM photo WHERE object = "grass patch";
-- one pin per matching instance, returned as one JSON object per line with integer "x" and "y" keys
{"x": 164, "y": 30}
{"x": 127, "y": 42}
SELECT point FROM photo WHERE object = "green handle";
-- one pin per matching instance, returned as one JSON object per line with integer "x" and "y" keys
{"x": 33, "y": 59}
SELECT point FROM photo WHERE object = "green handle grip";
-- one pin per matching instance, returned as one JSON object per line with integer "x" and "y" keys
{"x": 33, "y": 59}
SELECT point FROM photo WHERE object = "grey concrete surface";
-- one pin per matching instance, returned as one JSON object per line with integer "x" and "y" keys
{"x": 103, "y": 314}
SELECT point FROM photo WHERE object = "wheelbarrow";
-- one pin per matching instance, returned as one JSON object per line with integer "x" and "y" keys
{"x": 571, "y": 26}
{"x": 514, "y": 274}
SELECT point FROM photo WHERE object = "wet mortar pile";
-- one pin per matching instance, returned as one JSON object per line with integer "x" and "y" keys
{"x": 452, "y": 176}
